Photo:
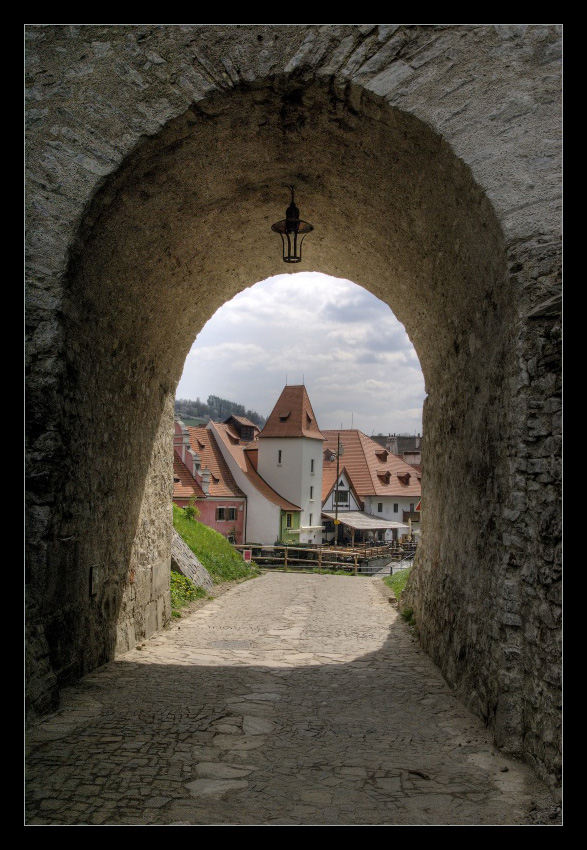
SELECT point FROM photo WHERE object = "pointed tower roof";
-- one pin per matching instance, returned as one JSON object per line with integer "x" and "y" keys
{"x": 292, "y": 416}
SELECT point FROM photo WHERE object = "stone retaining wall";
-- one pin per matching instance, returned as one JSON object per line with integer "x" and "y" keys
{"x": 428, "y": 157}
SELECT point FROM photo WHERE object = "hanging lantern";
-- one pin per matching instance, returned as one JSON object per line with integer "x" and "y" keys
{"x": 292, "y": 231}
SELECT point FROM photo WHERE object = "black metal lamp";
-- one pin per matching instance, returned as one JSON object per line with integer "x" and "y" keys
{"x": 292, "y": 231}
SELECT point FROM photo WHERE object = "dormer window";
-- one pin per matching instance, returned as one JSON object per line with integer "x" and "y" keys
{"x": 404, "y": 477}
{"x": 382, "y": 455}
{"x": 384, "y": 476}
{"x": 284, "y": 416}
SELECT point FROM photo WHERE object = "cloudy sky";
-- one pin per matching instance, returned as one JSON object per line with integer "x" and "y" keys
{"x": 355, "y": 359}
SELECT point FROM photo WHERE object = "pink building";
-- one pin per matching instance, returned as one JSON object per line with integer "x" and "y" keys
{"x": 200, "y": 470}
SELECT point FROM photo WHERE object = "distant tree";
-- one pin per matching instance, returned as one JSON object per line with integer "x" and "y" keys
{"x": 216, "y": 408}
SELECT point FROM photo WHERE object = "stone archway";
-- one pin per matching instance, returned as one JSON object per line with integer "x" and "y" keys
{"x": 182, "y": 224}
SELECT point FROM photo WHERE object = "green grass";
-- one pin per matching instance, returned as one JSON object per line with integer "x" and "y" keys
{"x": 398, "y": 580}
{"x": 183, "y": 591}
{"x": 397, "y": 583}
{"x": 193, "y": 421}
{"x": 408, "y": 615}
{"x": 213, "y": 551}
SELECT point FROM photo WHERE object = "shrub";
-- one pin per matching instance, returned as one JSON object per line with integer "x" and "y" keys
{"x": 408, "y": 615}
{"x": 184, "y": 591}
{"x": 190, "y": 510}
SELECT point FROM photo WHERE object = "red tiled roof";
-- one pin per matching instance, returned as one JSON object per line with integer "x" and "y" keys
{"x": 232, "y": 434}
{"x": 329, "y": 480}
{"x": 292, "y": 416}
{"x": 243, "y": 421}
{"x": 221, "y": 481}
{"x": 371, "y": 476}
{"x": 266, "y": 490}
{"x": 242, "y": 455}
{"x": 187, "y": 486}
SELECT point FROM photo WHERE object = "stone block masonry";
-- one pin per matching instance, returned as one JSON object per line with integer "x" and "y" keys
{"x": 157, "y": 157}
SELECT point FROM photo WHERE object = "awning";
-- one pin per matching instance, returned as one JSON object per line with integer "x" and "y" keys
{"x": 362, "y": 521}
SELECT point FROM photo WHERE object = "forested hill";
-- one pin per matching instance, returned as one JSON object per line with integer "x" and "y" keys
{"x": 215, "y": 408}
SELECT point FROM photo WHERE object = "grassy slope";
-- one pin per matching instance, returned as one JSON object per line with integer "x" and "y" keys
{"x": 212, "y": 550}
{"x": 398, "y": 580}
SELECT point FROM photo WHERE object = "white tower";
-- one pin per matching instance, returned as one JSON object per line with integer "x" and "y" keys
{"x": 290, "y": 458}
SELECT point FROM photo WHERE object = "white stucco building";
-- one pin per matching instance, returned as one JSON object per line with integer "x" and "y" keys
{"x": 380, "y": 484}
{"x": 290, "y": 457}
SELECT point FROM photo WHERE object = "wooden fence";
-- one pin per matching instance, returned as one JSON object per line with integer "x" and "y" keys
{"x": 320, "y": 557}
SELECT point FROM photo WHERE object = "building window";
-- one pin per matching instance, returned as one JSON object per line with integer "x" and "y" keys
{"x": 310, "y": 519}
{"x": 380, "y": 507}
{"x": 231, "y": 514}
{"x": 341, "y": 496}
{"x": 312, "y": 465}
{"x": 220, "y": 517}
{"x": 311, "y": 494}
{"x": 395, "y": 507}
{"x": 288, "y": 521}
{"x": 279, "y": 456}
{"x": 412, "y": 507}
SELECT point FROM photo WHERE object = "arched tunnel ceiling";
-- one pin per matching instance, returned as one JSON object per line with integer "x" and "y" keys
{"x": 182, "y": 223}
{"x": 185, "y": 223}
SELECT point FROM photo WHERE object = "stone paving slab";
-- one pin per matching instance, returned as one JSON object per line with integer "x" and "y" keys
{"x": 290, "y": 700}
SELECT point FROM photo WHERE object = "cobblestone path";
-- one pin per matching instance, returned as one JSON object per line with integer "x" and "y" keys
{"x": 290, "y": 700}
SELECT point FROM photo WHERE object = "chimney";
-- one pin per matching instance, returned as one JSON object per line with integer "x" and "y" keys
{"x": 206, "y": 481}
{"x": 196, "y": 462}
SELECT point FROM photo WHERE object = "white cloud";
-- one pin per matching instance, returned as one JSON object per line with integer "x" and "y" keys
{"x": 355, "y": 358}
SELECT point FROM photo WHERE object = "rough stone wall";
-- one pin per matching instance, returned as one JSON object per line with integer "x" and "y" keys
{"x": 533, "y": 512}
{"x": 156, "y": 161}
{"x": 145, "y": 605}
